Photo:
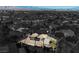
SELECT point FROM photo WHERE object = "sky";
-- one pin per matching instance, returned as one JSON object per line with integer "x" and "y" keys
{"x": 40, "y": 7}
{"x": 49, "y": 7}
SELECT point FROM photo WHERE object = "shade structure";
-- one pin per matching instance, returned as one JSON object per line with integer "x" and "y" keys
{"x": 41, "y": 36}
{"x": 28, "y": 42}
{"x": 39, "y": 43}
{"x": 34, "y": 35}
{"x": 53, "y": 42}
{"x": 53, "y": 39}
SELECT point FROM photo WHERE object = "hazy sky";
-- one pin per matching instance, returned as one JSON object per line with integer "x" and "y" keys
{"x": 40, "y": 7}
{"x": 49, "y": 7}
